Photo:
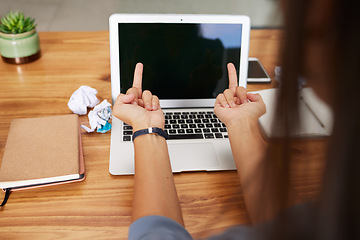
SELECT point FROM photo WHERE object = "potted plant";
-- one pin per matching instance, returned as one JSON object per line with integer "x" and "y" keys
{"x": 19, "y": 41}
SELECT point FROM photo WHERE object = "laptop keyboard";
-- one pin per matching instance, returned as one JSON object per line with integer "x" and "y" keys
{"x": 188, "y": 125}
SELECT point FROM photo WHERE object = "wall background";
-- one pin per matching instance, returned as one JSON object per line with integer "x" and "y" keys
{"x": 92, "y": 15}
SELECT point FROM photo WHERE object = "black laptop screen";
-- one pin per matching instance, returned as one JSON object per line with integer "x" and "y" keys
{"x": 181, "y": 61}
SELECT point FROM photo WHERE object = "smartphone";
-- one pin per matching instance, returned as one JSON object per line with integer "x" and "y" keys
{"x": 256, "y": 72}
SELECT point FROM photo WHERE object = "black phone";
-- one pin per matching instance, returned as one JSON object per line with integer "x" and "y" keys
{"x": 256, "y": 72}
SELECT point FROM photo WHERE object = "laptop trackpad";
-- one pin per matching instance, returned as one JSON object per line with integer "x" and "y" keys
{"x": 191, "y": 157}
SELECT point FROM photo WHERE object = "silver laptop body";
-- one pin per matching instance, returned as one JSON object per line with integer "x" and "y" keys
{"x": 184, "y": 58}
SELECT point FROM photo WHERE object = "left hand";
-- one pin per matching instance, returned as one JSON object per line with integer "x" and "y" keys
{"x": 139, "y": 109}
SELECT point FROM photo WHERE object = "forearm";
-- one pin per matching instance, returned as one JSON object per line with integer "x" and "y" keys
{"x": 256, "y": 176}
{"x": 154, "y": 190}
{"x": 249, "y": 148}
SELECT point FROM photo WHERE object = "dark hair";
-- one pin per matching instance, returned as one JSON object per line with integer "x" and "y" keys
{"x": 339, "y": 203}
{"x": 340, "y": 215}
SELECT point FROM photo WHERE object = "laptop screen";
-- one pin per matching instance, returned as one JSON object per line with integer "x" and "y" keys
{"x": 181, "y": 61}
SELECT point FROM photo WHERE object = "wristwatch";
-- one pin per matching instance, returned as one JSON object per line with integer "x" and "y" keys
{"x": 150, "y": 130}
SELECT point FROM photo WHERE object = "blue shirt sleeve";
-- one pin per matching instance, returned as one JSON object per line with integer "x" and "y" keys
{"x": 163, "y": 228}
{"x": 157, "y": 228}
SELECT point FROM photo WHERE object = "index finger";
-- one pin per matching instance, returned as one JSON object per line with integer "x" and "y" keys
{"x": 137, "y": 83}
{"x": 232, "y": 77}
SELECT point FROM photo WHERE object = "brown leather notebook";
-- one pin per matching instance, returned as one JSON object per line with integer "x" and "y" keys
{"x": 41, "y": 152}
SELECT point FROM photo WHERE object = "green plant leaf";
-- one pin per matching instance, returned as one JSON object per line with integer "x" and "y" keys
{"x": 5, "y": 22}
{"x": 16, "y": 22}
{"x": 20, "y": 24}
{"x": 11, "y": 21}
{"x": 27, "y": 21}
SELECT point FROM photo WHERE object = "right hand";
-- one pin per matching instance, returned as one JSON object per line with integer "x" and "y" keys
{"x": 235, "y": 104}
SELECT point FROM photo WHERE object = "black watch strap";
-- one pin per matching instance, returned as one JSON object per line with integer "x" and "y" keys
{"x": 149, "y": 130}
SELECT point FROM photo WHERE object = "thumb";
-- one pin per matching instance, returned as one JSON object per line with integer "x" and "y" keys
{"x": 254, "y": 97}
{"x": 125, "y": 98}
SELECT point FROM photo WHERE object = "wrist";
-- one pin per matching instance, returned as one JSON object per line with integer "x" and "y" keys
{"x": 140, "y": 126}
{"x": 244, "y": 124}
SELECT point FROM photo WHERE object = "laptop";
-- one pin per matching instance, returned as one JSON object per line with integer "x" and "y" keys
{"x": 184, "y": 59}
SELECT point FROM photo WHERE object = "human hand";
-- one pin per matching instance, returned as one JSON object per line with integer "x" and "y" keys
{"x": 139, "y": 109}
{"x": 235, "y": 104}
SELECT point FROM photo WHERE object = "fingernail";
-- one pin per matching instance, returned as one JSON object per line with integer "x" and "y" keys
{"x": 154, "y": 107}
{"x": 227, "y": 105}
{"x": 233, "y": 105}
{"x": 148, "y": 107}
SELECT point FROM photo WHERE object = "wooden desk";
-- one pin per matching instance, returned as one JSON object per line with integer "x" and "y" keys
{"x": 100, "y": 207}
